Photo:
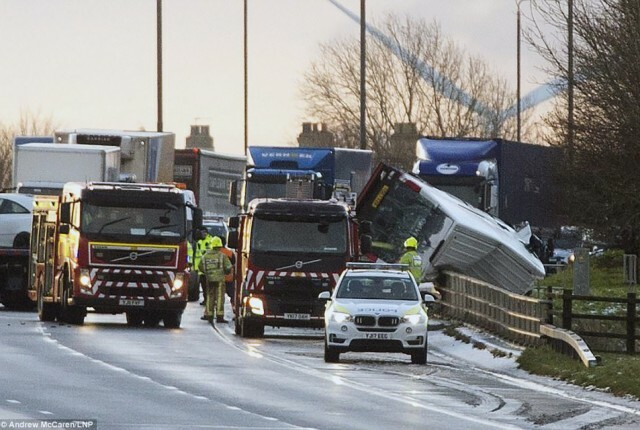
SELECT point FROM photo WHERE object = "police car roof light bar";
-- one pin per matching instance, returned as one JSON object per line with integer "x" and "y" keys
{"x": 377, "y": 266}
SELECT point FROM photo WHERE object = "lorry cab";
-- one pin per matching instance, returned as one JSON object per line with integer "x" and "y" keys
{"x": 289, "y": 251}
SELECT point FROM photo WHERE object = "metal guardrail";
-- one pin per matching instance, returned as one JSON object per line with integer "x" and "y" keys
{"x": 573, "y": 341}
{"x": 518, "y": 318}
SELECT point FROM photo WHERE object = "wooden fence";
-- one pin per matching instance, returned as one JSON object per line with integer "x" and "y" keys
{"x": 630, "y": 317}
{"x": 506, "y": 314}
{"x": 521, "y": 319}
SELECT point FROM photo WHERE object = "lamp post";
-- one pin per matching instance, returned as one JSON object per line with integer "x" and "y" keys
{"x": 519, "y": 108}
{"x": 159, "y": 60}
{"x": 246, "y": 87}
{"x": 363, "y": 89}
{"x": 570, "y": 77}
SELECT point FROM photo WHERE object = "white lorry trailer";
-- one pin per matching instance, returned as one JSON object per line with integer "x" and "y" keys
{"x": 145, "y": 156}
{"x": 43, "y": 168}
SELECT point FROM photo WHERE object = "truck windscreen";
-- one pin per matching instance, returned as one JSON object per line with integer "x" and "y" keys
{"x": 164, "y": 221}
{"x": 259, "y": 190}
{"x": 321, "y": 237}
{"x": 398, "y": 211}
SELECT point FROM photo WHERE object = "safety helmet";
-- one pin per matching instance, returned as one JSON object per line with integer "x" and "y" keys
{"x": 412, "y": 242}
{"x": 216, "y": 242}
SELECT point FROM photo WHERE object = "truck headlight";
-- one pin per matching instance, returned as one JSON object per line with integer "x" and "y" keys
{"x": 413, "y": 319}
{"x": 85, "y": 278}
{"x": 178, "y": 282}
{"x": 256, "y": 306}
{"x": 341, "y": 317}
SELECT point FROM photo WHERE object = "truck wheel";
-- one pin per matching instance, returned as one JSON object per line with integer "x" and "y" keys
{"x": 152, "y": 319}
{"x": 194, "y": 287}
{"x": 71, "y": 313}
{"x": 331, "y": 355}
{"x": 420, "y": 356}
{"x": 46, "y": 311}
{"x": 250, "y": 328}
{"x": 173, "y": 319}
{"x": 135, "y": 318}
{"x": 238, "y": 327}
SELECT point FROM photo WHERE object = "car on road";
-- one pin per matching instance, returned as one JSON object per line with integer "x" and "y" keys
{"x": 15, "y": 220}
{"x": 376, "y": 308}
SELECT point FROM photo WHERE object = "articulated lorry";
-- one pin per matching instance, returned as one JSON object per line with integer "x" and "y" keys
{"x": 511, "y": 180}
{"x": 288, "y": 252}
{"x": 209, "y": 175}
{"x": 451, "y": 234}
{"x": 145, "y": 156}
{"x": 287, "y": 172}
{"x": 44, "y": 168}
{"x": 114, "y": 248}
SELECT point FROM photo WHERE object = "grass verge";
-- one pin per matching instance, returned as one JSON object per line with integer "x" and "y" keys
{"x": 617, "y": 374}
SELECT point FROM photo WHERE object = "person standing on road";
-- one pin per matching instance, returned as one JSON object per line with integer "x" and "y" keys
{"x": 202, "y": 245}
{"x": 412, "y": 258}
{"x": 215, "y": 265}
{"x": 229, "y": 278}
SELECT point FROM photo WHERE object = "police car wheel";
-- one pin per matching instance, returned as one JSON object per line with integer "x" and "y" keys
{"x": 419, "y": 356}
{"x": 331, "y": 355}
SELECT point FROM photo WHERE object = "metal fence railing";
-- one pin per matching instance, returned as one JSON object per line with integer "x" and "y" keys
{"x": 521, "y": 319}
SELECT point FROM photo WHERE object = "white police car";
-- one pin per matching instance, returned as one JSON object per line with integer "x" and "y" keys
{"x": 376, "y": 308}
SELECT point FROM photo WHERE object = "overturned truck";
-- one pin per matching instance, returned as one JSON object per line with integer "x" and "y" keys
{"x": 451, "y": 234}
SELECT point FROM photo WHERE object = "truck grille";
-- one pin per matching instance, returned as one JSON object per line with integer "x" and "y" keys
{"x": 131, "y": 283}
{"x": 133, "y": 256}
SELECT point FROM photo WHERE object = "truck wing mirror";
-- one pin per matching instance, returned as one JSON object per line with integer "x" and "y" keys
{"x": 63, "y": 229}
{"x": 197, "y": 218}
{"x": 234, "y": 222}
{"x": 365, "y": 244}
{"x": 65, "y": 213}
{"x": 232, "y": 239}
{"x": 235, "y": 194}
{"x": 365, "y": 227}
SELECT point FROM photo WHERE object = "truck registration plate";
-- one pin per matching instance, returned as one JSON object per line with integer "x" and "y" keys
{"x": 304, "y": 317}
{"x": 376, "y": 335}
{"x": 131, "y": 302}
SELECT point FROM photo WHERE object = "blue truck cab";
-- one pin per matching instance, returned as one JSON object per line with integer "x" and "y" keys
{"x": 302, "y": 173}
{"x": 513, "y": 181}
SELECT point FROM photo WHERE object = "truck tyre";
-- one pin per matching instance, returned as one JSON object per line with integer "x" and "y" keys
{"x": 71, "y": 313}
{"x": 46, "y": 311}
{"x": 331, "y": 355}
{"x": 238, "y": 327}
{"x": 135, "y": 318}
{"x": 420, "y": 356}
{"x": 194, "y": 287}
{"x": 251, "y": 328}
{"x": 152, "y": 319}
{"x": 173, "y": 319}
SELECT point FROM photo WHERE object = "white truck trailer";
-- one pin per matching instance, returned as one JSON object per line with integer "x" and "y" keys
{"x": 43, "y": 168}
{"x": 145, "y": 156}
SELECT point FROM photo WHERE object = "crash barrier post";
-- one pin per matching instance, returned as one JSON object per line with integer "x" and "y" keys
{"x": 512, "y": 316}
{"x": 630, "y": 317}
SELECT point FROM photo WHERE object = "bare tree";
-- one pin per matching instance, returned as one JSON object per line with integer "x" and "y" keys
{"x": 29, "y": 124}
{"x": 602, "y": 186}
{"x": 414, "y": 75}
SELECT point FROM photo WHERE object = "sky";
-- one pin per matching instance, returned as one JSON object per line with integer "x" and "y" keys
{"x": 92, "y": 63}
